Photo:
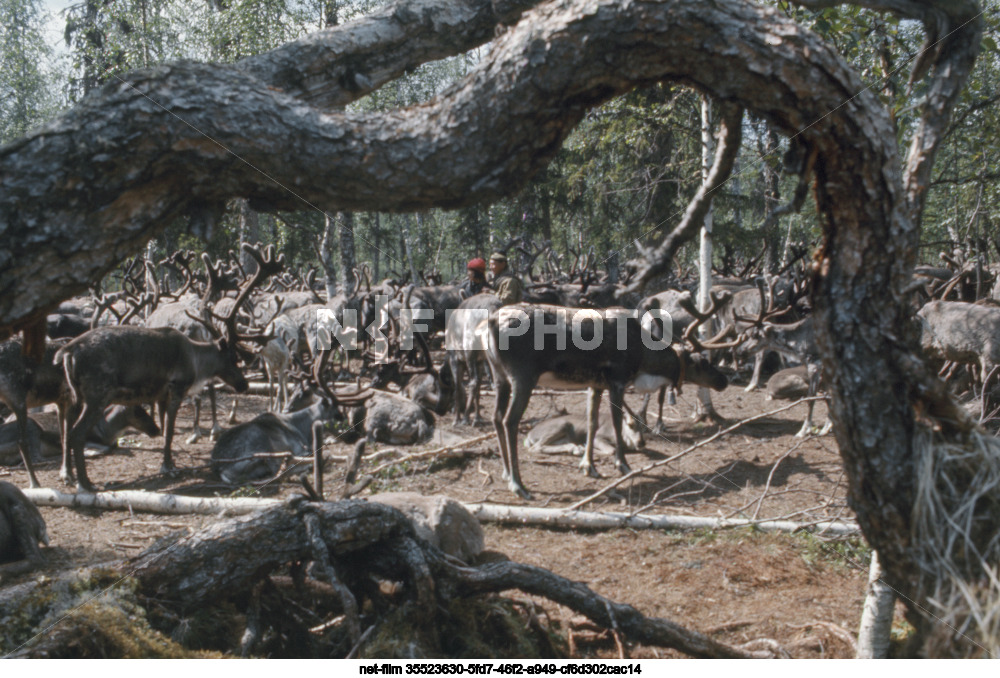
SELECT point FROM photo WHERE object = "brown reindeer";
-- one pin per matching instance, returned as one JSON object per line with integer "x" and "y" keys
{"x": 138, "y": 365}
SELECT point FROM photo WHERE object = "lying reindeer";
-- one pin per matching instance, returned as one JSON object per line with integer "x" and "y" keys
{"x": 568, "y": 433}
{"x": 547, "y": 346}
{"x": 103, "y": 437}
{"x": 21, "y": 526}
{"x": 392, "y": 419}
{"x": 235, "y": 457}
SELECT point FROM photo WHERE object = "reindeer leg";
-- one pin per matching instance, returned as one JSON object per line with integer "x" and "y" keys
{"x": 813, "y": 375}
{"x": 758, "y": 365}
{"x": 90, "y": 414}
{"x": 28, "y": 442}
{"x": 642, "y": 410}
{"x": 172, "y": 405}
{"x": 216, "y": 428}
{"x": 67, "y": 414}
{"x": 272, "y": 398}
{"x": 807, "y": 424}
{"x": 502, "y": 401}
{"x": 472, "y": 404}
{"x": 196, "y": 431}
{"x": 660, "y": 428}
{"x": 459, "y": 406}
{"x": 616, "y": 394}
{"x": 593, "y": 410}
{"x": 520, "y": 394}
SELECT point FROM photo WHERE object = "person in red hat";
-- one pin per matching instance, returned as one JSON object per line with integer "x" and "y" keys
{"x": 477, "y": 279}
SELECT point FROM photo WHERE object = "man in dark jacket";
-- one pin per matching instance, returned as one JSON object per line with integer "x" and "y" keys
{"x": 476, "y": 282}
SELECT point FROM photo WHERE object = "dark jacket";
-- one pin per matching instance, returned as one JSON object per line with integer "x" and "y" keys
{"x": 470, "y": 289}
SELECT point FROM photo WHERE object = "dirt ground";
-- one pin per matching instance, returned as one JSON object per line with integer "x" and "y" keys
{"x": 803, "y": 591}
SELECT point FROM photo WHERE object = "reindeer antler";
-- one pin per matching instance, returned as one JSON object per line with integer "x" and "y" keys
{"x": 267, "y": 265}
{"x": 700, "y": 317}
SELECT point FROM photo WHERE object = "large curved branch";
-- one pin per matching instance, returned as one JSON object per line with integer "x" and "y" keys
{"x": 183, "y": 138}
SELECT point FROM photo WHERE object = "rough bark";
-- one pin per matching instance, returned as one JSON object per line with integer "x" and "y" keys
{"x": 233, "y": 555}
{"x": 767, "y": 146}
{"x": 115, "y": 170}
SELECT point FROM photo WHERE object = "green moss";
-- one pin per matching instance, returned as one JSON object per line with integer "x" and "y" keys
{"x": 94, "y": 615}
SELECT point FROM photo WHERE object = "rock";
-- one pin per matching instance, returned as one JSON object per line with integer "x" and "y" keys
{"x": 440, "y": 520}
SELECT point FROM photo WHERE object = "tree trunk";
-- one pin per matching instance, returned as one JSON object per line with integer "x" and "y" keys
{"x": 249, "y": 233}
{"x": 876, "y": 617}
{"x": 326, "y": 246}
{"x": 772, "y": 197}
{"x": 407, "y": 247}
{"x": 705, "y": 409}
{"x": 349, "y": 544}
{"x": 348, "y": 261}
{"x": 129, "y": 500}
{"x": 150, "y": 277}
{"x": 377, "y": 246}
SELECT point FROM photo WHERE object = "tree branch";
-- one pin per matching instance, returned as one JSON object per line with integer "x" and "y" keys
{"x": 657, "y": 261}
{"x": 338, "y": 65}
{"x": 182, "y": 139}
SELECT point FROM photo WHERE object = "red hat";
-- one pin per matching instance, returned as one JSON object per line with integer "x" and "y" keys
{"x": 477, "y": 264}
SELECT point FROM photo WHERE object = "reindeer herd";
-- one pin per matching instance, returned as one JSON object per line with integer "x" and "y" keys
{"x": 129, "y": 359}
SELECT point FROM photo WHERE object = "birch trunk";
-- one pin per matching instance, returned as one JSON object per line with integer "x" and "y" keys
{"x": 876, "y": 617}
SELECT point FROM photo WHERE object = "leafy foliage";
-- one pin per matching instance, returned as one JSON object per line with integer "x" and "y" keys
{"x": 625, "y": 174}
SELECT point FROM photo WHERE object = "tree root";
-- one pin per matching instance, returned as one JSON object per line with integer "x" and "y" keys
{"x": 353, "y": 565}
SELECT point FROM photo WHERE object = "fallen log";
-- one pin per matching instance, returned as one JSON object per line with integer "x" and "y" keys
{"x": 151, "y": 502}
{"x": 546, "y": 517}
{"x": 138, "y": 500}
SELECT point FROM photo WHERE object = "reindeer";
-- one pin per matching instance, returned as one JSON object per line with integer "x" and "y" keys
{"x": 680, "y": 319}
{"x": 796, "y": 341}
{"x": 543, "y": 349}
{"x": 103, "y": 437}
{"x": 568, "y": 433}
{"x": 794, "y": 383}
{"x": 21, "y": 526}
{"x": 425, "y": 385}
{"x": 241, "y": 454}
{"x": 24, "y": 384}
{"x": 137, "y": 365}
{"x": 767, "y": 301}
{"x": 962, "y": 333}
{"x": 465, "y": 341}
{"x": 394, "y": 420}
{"x": 190, "y": 316}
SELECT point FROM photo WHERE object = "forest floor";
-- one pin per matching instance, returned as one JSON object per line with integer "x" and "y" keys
{"x": 801, "y": 590}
